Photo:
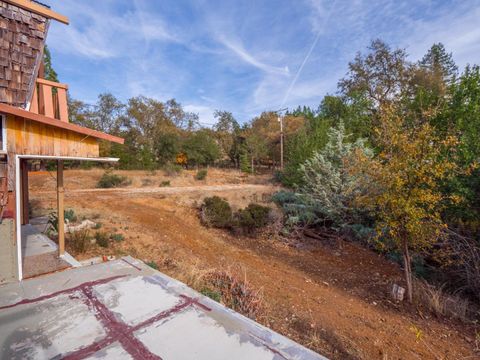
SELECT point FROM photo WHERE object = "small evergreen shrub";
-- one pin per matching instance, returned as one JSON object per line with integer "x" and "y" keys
{"x": 216, "y": 212}
{"x": 67, "y": 214}
{"x": 165, "y": 183}
{"x": 212, "y": 294}
{"x": 147, "y": 182}
{"x": 152, "y": 264}
{"x": 117, "y": 237}
{"x": 70, "y": 215}
{"x": 110, "y": 180}
{"x": 101, "y": 239}
{"x": 245, "y": 165}
{"x": 201, "y": 174}
{"x": 253, "y": 217}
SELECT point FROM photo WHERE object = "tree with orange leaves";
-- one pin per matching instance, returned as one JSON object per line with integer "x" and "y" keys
{"x": 405, "y": 185}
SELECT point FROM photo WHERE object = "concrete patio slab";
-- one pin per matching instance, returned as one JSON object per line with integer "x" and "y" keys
{"x": 123, "y": 309}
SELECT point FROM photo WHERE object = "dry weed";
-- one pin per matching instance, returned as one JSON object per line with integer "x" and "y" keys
{"x": 236, "y": 293}
{"x": 440, "y": 303}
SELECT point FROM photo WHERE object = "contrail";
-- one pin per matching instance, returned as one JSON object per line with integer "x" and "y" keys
{"x": 292, "y": 84}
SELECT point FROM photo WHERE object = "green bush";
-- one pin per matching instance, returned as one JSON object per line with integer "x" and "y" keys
{"x": 110, "y": 180}
{"x": 67, "y": 214}
{"x": 101, "y": 238}
{"x": 70, "y": 215}
{"x": 212, "y": 294}
{"x": 117, "y": 237}
{"x": 245, "y": 164}
{"x": 201, "y": 174}
{"x": 253, "y": 217}
{"x": 165, "y": 183}
{"x": 216, "y": 212}
{"x": 152, "y": 264}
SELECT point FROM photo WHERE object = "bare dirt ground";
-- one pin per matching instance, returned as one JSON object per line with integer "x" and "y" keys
{"x": 331, "y": 298}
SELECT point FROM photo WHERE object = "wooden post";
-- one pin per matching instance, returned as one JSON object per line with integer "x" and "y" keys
{"x": 48, "y": 100}
{"x": 60, "y": 208}
{"x": 62, "y": 104}
{"x": 24, "y": 190}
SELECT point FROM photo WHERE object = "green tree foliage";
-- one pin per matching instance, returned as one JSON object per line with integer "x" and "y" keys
{"x": 437, "y": 60}
{"x": 227, "y": 131}
{"x": 245, "y": 164}
{"x": 50, "y": 73}
{"x": 463, "y": 116}
{"x": 201, "y": 148}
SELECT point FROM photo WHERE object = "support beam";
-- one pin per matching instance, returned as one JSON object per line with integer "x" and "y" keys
{"x": 60, "y": 208}
{"x": 24, "y": 190}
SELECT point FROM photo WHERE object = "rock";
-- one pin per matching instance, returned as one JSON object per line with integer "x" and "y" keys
{"x": 398, "y": 292}
{"x": 86, "y": 224}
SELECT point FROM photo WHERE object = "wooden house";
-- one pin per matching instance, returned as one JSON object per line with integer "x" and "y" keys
{"x": 34, "y": 124}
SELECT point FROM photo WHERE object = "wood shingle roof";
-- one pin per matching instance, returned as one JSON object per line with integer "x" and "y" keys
{"x": 22, "y": 38}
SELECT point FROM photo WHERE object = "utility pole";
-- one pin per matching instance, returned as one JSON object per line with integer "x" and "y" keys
{"x": 280, "y": 120}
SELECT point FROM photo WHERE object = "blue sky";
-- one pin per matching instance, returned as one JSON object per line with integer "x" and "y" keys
{"x": 242, "y": 56}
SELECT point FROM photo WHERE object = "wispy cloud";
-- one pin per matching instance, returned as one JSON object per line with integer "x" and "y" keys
{"x": 205, "y": 113}
{"x": 238, "y": 49}
{"x": 102, "y": 33}
{"x": 457, "y": 28}
{"x": 245, "y": 57}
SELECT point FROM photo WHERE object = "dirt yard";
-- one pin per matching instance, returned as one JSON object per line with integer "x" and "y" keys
{"x": 332, "y": 298}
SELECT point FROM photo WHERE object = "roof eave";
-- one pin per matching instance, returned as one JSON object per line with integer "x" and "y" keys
{"x": 4, "y": 108}
{"x": 39, "y": 10}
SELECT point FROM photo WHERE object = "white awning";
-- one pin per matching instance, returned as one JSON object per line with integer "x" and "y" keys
{"x": 78, "y": 158}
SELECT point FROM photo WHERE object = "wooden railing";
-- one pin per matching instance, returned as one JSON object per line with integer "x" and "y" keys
{"x": 50, "y": 99}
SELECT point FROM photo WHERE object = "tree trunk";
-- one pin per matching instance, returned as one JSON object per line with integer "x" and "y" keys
{"x": 408, "y": 270}
{"x": 253, "y": 169}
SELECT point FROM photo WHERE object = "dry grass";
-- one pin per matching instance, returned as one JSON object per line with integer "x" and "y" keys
{"x": 78, "y": 241}
{"x": 233, "y": 291}
{"x": 440, "y": 303}
{"x": 236, "y": 293}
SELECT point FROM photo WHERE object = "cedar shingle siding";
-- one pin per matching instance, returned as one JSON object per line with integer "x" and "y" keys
{"x": 22, "y": 37}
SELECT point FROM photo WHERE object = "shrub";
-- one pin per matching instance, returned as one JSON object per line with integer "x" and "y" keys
{"x": 441, "y": 303}
{"x": 253, "y": 217}
{"x": 152, "y": 264}
{"x": 147, "y": 182}
{"x": 117, "y": 237}
{"x": 101, "y": 239}
{"x": 165, "y": 183}
{"x": 70, "y": 215}
{"x": 212, "y": 294}
{"x": 245, "y": 165}
{"x": 172, "y": 169}
{"x": 298, "y": 209}
{"x": 327, "y": 179}
{"x": 78, "y": 241}
{"x": 235, "y": 293}
{"x": 201, "y": 174}
{"x": 110, "y": 180}
{"x": 216, "y": 212}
